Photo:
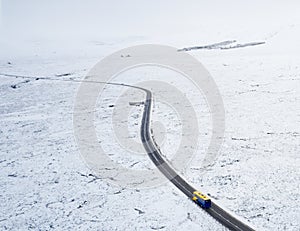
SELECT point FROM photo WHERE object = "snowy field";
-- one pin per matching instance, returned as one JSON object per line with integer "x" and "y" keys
{"x": 45, "y": 183}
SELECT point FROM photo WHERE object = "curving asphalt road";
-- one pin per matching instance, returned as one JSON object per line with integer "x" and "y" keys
{"x": 224, "y": 217}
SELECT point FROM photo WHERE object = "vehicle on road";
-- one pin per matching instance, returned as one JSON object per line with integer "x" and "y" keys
{"x": 201, "y": 199}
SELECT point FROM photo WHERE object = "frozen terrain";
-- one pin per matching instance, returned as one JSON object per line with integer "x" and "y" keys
{"x": 45, "y": 183}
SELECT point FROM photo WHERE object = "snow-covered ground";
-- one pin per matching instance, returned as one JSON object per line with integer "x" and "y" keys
{"x": 45, "y": 183}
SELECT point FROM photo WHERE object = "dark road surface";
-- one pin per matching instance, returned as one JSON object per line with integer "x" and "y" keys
{"x": 224, "y": 217}
{"x": 154, "y": 153}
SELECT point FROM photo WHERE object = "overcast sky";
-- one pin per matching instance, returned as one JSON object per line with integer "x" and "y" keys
{"x": 94, "y": 18}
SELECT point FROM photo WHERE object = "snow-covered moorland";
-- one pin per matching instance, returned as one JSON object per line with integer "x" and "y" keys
{"x": 45, "y": 183}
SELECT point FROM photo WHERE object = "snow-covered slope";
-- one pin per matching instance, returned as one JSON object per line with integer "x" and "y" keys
{"x": 45, "y": 183}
